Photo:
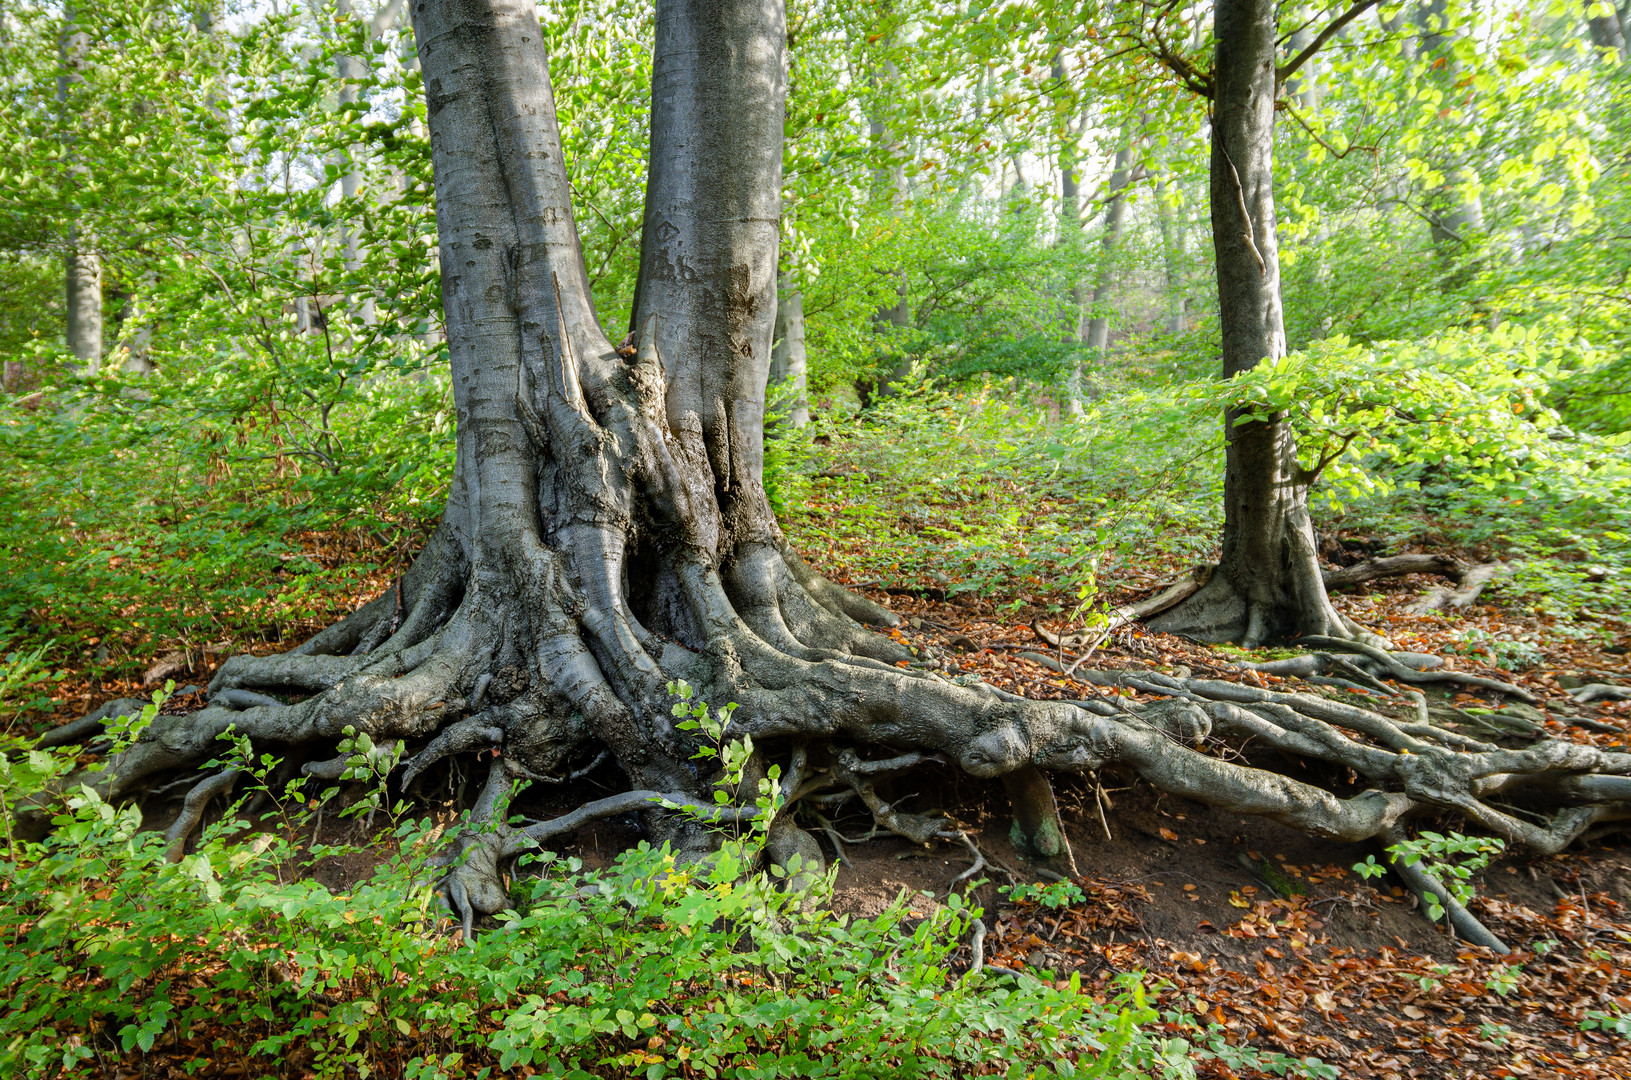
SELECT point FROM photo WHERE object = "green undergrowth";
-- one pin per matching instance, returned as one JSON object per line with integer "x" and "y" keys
{"x": 235, "y": 958}
{"x": 249, "y": 501}
{"x": 984, "y": 493}
{"x": 1450, "y": 444}
{"x": 190, "y": 513}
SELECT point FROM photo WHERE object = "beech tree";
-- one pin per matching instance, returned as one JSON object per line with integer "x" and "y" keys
{"x": 1267, "y": 583}
{"x": 82, "y": 264}
{"x": 607, "y": 535}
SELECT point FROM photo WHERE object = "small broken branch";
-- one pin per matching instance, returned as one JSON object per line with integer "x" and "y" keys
{"x": 1394, "y": 566}
{"x": 1250, "y": 235}
{"x": 1472, "y": 583}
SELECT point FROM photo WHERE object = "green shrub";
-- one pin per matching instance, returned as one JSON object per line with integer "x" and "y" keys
{"x": 646, "y": 968}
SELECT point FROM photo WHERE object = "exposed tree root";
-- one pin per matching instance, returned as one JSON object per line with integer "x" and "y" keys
{"x": 1260, "y": 608}
{"x": 1470, "y": 585}
{"x": 92, "y": 723}
{"x": 833, "y": 708}
{"x": 1600, "y": 692}
{"x": 1394, "y": 566}
{"x": 192, "y": 810}
{"x": 1424, "y": 883}
{"x": 1402, "y": 671}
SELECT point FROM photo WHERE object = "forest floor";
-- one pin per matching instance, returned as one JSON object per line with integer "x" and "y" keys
{"x": 1263, "y": 931}
{"x": 1268, "y": 932}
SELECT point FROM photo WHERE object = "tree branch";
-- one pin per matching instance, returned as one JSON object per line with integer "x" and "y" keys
{"x": 1331, "y": 30}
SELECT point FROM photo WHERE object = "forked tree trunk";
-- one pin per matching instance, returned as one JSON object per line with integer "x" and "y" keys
{"x": 1268, "y": 582}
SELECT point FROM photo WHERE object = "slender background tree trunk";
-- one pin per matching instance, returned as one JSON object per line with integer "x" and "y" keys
{"x": 1605, "y": 28}
{"x": 789, "y": 365}
{"x": 1455, "y": 207}
{"x": 1115, "y": 224}
{"x": 1070, "y": 228}
{"x": 1268, "y": 582}
{"x": 350, "y": 69}
{"x": 82, "y": 264}
{"x": 889, "y": 190}
{"x": 1172, "y": 220}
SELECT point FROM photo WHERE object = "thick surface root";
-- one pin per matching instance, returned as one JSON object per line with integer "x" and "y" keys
{"x": 550, "y": 636}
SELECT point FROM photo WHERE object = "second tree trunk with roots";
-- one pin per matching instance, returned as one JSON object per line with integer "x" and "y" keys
{"x": 1267, "y": 583}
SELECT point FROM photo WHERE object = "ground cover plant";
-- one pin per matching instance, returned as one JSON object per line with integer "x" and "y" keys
{"x": 234, "y": 958}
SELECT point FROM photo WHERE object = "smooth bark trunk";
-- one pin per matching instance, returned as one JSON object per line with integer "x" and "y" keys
{"x": 1070, "y": 234}
{"x": 1302, "y": 86}
{"x": 1268, "y": 583}
{"x": 1171, "y": 219}
{"x": 1455, "y": 208}
{"x": 82, "y": 264}
{"x": 83, "y": 276}
{"x": 1115, "y": 223}
{"x": 889, "y": 189}
{"x": 1605, "y": 29}
{"x": 350, "y": 70}
{"x": 711, "y": 237}
{"x": 135, "y": 338}
{"x": 789, "y": 365}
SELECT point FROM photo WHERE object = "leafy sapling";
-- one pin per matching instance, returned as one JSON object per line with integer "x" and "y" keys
{"x": 733, "y": 757}
{"x": 371, "y": 763}
{"x": 123, "y": 731}
{"x": 1452, "y": 858}
{"x": 1053, "y": 896}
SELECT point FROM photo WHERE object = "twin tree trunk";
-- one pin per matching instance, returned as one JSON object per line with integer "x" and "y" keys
{"x": 1267, "y": 583}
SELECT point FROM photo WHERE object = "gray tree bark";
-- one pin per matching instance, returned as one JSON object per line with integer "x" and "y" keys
{"x": 1455, "y": 207}
{"x": 1267, "y": 583}
{"x": 1302, "y": 86}
{"x": 1070, "y": 234}
{"x": 135, "y": 340}
{"x": 1070, "y": 209}
{"x": 1115, "y": 223}
{"x": 82, "y": 263}
{"x": 1604, "y": 27}
{"x": 82, "y": 267}
{"x": 789, "y": 364}
{"x": 889, "y": 188}
{"x": 349, "y": 69}
{"x": 1171, "y": 218}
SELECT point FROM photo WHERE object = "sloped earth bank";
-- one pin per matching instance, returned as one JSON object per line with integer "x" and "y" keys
{"x": 1262, "y": 930}
{"x": 1268, "y": 932}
